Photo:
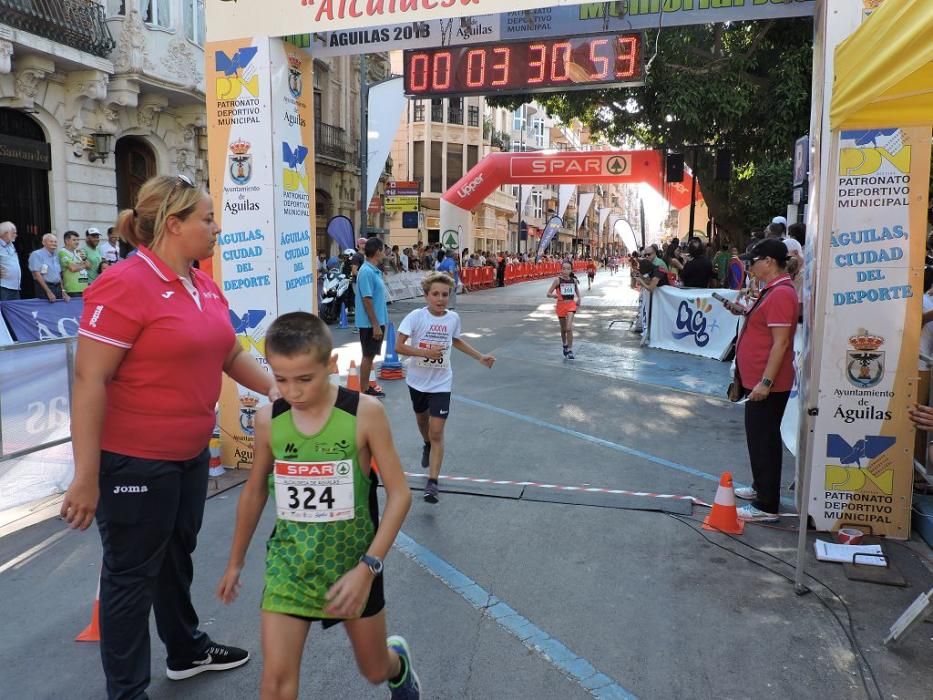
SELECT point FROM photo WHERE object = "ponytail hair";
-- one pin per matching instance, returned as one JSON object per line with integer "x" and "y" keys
{"x": 159, "y": 198}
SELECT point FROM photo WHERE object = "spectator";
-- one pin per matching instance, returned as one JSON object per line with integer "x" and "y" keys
{"x": 651, "y": 255}
{"x": 403, "y": 259}
{"x": 447, "y": 263}
{"x": 764, "y": 358}
{"x": 393, "y": 259}
{"x": 735, "y": 271}
{"x": 721, "y": 264}
{"x": 356, "y": 262}
{"x": 798, "y": 233}
{"x": 46, "y": 269}
{"x": 10, "y": 272}
{"x": 698, "y": 270}
{"x": 74, "y": 266}
{"x": 778, "y": 232}
{"x": 110, "y": 249}
{"x": 92, "y": 253}
{"x": 482, "y": 259}
{"x": 500, "y": 270}
{"x": 372, "y": 313}
{"x": 651, "y": 276}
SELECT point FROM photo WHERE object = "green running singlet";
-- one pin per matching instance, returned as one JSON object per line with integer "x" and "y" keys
{"x": 311, "y": 547}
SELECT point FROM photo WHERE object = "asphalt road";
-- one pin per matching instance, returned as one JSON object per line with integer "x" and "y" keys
{"x": 505, "y": 595}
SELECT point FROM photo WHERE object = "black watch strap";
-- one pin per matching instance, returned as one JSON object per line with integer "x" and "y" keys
{"x": 374, "y": 563}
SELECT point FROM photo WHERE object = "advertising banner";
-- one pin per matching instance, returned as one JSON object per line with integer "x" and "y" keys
{"x": 790, "y": 425}
{"x": 691, "y": 321}
{"x": 862, "y": 464}
{"x": 240, "y": 152}
{"x": 37, "y": 319}
{"x": 550, "y": 230}
{"x": 564, "y": 19}
{"x": 293, "y": 170}
{"x": 385, "y": 103}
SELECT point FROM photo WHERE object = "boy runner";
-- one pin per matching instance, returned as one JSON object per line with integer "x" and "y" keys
{"x": 433, "y": 330}
{"x": 590, "y": 273}
{"x": 313, "y": 452}
{"x": 566, "y": 290}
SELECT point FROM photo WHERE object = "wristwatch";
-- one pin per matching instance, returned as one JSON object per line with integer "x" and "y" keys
{"x": 374, "y": 563}
{"x": 766, "y": 383}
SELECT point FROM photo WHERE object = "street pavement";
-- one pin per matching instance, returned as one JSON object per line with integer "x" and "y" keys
{"x": 503, "y": 595}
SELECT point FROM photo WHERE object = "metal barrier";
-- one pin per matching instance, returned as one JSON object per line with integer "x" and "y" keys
{"x": 35, "y": 396}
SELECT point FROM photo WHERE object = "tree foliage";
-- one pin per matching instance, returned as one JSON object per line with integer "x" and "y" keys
{"x": 743, "y": 86}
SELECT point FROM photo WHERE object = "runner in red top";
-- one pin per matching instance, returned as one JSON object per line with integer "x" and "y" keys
{"x": 590, "y": 273}
{"x": 566, "y": 289}
{"x": 154, "y": 339}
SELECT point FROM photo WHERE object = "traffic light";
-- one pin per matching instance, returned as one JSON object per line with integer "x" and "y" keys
{"x": 675, "y": 167}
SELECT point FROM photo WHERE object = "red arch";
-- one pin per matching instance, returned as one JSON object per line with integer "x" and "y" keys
{"x": 563, "y": 167}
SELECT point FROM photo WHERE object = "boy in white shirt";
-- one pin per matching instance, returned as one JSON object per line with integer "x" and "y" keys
{"x": 433, "y": 331}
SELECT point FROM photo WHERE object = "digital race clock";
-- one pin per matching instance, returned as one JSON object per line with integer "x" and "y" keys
{"x": 540, "y": 65}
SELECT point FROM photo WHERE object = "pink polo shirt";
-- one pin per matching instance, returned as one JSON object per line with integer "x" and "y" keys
{"x": 160, "y": 402}
{"x": 777, "y": 308}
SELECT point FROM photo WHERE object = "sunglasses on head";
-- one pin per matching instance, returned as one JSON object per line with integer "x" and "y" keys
{"x": 181, "y": 180}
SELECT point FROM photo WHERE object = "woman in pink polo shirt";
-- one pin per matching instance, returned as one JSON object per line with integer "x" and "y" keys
{"x": 765, "y": 358}
{"x": 154, "y": 340}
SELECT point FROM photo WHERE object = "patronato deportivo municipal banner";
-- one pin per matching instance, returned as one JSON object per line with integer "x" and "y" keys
{"x": 691, "y": 321}
{"x": 383, "y": 25}
{"x": 261, "y": 152}
{"x": 863, "y": 440}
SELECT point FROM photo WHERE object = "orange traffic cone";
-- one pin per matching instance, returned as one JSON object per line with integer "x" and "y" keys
{"x": 353, "y": 377}
{"x": 91, "y": 633}
{"x": 723, "y": 517}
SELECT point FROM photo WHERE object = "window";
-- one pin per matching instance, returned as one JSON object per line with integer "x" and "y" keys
{"x": 157, "y": 12}
{"x": 472, "y": 156}
{"x": 455, "y": 110}
{"x": 537, "y": 132}
{"x": 417, "y": 160}
{"x": 454, "y": 163}
{"x": 194, "y": 21}
{"x": 317, "y": 107}
{"x": 437, "y": 166}
{"x": 537, "y": 204}
{"x": 418, "y": 111}
{"x": 518, "y": 119}
{"x": 515, "y": 190}
{"x": 473, "y": 115}
{"x": 437, "y": 110}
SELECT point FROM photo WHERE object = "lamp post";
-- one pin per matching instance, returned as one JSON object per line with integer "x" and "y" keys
{"x": 527, "y": 111}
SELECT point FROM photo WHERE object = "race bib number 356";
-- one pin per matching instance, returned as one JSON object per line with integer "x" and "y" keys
{"x": 312, "y": 492}
{"x": 442, "y": 362}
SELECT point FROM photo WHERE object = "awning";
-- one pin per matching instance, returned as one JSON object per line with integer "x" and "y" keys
{"x": 884, "y": 71}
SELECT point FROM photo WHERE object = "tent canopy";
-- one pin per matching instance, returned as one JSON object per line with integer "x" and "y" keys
{"x": 884, "y": 71}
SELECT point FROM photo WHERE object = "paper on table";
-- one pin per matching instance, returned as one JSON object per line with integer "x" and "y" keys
{"x": 844, "y": 553}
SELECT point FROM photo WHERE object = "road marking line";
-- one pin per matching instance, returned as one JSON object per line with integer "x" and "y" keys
{"x": 530, "y": 635}
{"x": 624, "y": 449}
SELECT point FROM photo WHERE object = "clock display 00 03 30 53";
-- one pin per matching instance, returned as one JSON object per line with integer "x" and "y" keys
{"x": 543, "y": 65}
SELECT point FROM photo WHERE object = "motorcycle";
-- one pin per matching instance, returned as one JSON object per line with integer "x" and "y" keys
{"x": 335, "y": 292}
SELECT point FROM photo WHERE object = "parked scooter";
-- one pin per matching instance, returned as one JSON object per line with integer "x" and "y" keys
{"x": 335, "y": 291}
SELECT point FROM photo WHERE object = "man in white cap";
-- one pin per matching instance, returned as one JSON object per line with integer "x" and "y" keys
{"x": 92, "y": 252}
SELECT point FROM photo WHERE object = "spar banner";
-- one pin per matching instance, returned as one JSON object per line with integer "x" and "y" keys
{"x": 692, "y": 322}
{"x": 238, "y": 79}
{"x": 37, "y": 319}
{"x": 863, "y": 440}
{"x": 550, "y": 230}
{"x": 293, "y": 170}
{"x": 565, "y": 19}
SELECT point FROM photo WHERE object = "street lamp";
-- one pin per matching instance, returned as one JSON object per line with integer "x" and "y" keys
{"x": 527, "y": 111}
{"x": 99, "y": 147}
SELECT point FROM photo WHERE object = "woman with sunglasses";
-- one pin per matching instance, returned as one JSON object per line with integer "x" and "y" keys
{"x": 153, "y": 343}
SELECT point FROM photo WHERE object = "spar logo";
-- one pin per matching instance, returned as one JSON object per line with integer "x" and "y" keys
{"x": 238, "y": 75}
{"x": 691, "y": 321}
{"x": 470, "y": 187}
{"x": 292, "y": 179}
{"x": 867, "y": 160}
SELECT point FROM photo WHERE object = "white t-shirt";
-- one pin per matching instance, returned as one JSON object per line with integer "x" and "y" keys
{"x": 426, "y": 330}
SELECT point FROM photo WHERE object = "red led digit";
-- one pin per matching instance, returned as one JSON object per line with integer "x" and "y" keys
{"x": 626, "y": 61}
{"x": 441, "y": 75}
{"x": 476, "y": 61}
{"x": 505, "y": 54}
{"x": 600, "y": 63}
{"x": 559, "y": 65}
{"x": 418, "y": 72}
{"x": 537, "y": 64}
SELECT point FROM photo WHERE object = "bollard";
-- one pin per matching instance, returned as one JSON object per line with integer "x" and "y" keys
{"x": 391, "y": 364}
{"x": 343, "y": 316}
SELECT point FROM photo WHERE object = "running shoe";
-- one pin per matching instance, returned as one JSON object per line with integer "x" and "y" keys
{"x": 409, "y": 688}
{"x": 377, "y": 387}
{"x": 370, "y": 391}
{"x": 746, "y": 493}
{"x": 217, "y": 658}
{"x": 570, "y": 355}
{"x": 430, "y": 492}
{"x": 426, "y": 455}
{"x": 750, "y": 513}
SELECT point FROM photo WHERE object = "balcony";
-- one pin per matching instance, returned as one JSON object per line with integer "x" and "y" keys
{"x": 76, "y": 23}
{"x": 455, "y": 115}
{"x": 330, "y": 142}
{"x": 437, "y": 111}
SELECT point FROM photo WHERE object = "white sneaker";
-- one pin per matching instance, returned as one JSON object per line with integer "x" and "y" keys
{"x": 750, "y": 513}
{"x": 746, "y": 493}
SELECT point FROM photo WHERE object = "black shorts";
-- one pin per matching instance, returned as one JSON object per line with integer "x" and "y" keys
{"x": 374, "y": 605}
{"x": 371, "y": 346}
{"x": 437, "y": 403}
